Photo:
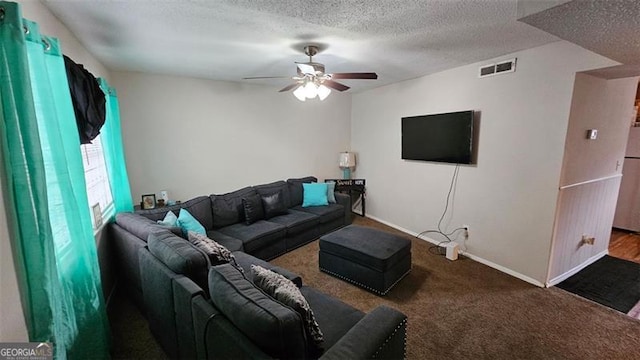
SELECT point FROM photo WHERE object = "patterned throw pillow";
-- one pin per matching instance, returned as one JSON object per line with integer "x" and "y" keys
{"x": 285, "y": 291}
{"x": 217, "y": 253}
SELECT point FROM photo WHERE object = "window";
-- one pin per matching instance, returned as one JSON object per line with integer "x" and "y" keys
{"x": 96, "y": 178}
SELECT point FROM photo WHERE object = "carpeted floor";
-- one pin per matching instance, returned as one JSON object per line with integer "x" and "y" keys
{"x": 461, "y": 310}
{"x": 609, "y": 281}
{"x": 130, "y": 335}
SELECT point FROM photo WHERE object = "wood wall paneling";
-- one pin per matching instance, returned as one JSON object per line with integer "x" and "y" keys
{"x": 583, "y": 210}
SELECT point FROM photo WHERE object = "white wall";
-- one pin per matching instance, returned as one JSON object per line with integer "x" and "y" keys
{"x": 12, "y": 325}
{"x": 198, "y": 137}
{"x": 588, "y": 209}
{"x": 509, "y": 197}
{"x": 605, "y": 105}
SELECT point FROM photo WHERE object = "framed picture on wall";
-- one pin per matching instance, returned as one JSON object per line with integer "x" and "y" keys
{"x": 148, "y": 201}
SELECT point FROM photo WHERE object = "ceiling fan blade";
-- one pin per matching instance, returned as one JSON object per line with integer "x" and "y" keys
{"x": 360, "y": 75}
{"x": 306, "y": 68}
{"x": 288, "y": 87}
{"x": 266, "y": 77}
{"x": 335, "y": 85}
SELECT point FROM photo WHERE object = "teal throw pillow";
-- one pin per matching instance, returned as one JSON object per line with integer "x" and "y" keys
{"x": 314, "y": 194}
{"x": 187, "y": 223}
{"x": 331, "y": 188}
{"x": 169, "y": 220}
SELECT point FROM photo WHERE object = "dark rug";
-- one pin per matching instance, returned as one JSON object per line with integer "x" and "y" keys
{"x": 609, "y": 281}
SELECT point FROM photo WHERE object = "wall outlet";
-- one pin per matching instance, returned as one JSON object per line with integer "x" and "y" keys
{"x": 466, "y": 231}
{"x": 588, "y": 240}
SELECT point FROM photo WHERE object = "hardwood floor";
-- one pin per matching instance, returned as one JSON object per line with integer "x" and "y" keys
{"x": 625, "y": 245}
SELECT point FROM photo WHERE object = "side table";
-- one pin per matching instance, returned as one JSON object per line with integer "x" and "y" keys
{"x": 356, "y": 189}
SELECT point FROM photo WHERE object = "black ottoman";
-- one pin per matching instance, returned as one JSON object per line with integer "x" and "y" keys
{"x": 370, "y": 258}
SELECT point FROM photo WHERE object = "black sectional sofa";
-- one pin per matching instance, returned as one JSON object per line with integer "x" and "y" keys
{"x": 175, "y": 286}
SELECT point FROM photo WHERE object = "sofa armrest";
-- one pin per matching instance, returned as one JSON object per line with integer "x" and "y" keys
{"x": 217, "y": 338}
{"x": 380, "y": 334}
{"x": 345, "y": 200}
{"x": 125, "y": 252}
{"x": 184, "y": 290}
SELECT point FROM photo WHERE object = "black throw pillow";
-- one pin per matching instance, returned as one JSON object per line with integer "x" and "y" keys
{"x": 253, "y": 211}
{"x": 273, "y": 205}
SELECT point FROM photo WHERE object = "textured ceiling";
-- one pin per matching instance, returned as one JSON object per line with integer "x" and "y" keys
{"x": 232, "y": 39}
{"x": 608, "y": 27}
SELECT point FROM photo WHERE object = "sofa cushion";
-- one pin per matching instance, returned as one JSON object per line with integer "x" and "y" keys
{"x": 245, "y": 261}
{"x": 296, "y": 221}
{"x": 326, "y": 213}
{"x": 227, "y": 208}
{"x": 253, "y": 211}
{"x": 295, "y": 189}
{"x": 187, "y": 223}
{"x": 274, "y": 187}
{"x": 257, "y": 235}
{"x": 334, "y": 317}
{"x": 314, "y": 194}
{"x": 285, "y": 291}
{"x": 273, "y": 204}
{"x": 273, "y": 327}
{"x": 180, "y": 256}
{"x": 225, "y": 240}
{"x": 199, "y": 207}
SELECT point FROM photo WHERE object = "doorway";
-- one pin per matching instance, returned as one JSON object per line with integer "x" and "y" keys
{"x": 625, "y": 236}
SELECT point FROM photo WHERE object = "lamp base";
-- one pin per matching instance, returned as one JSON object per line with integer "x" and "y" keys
{"x": 346, "y": 173}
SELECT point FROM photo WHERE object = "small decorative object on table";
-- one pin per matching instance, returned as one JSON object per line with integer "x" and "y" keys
{"x": 160, "y": 203}
{"x": 148, "y": 201}
{"x": 97, "y": 216}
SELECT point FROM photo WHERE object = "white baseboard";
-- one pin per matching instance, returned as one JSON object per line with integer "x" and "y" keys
{"x": 467, "y": 254}
{"x": 589, "y": 261}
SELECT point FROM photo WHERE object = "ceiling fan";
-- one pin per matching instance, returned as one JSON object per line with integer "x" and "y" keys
{"x": 312, "y": 81}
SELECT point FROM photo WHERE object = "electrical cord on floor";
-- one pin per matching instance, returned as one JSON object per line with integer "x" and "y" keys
{"x": 437, "y": 249}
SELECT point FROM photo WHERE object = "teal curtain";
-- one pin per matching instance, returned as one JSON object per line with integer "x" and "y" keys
{"x": 46, "y": 202}
{"x": 111, "y": 136}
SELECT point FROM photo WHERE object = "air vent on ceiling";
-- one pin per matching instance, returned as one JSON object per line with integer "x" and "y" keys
{"x": 498, "y": 68}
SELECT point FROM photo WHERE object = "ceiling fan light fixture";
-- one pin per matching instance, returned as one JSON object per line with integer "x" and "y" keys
{"x": 311, "y": 90}
{"x": 323, "y": 92}
{"x": 300, "y": 93}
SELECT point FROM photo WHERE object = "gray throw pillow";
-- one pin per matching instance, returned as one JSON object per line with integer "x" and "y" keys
{"x": 253, "y": 210}
{"x": 285, "y": 291}
{"x": 331, "y": 188}
{"x": 217, "y": 253}
{"x": 273, "y": 205}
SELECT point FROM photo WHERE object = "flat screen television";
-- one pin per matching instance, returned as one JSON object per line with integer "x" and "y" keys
{"x": 439, "y": 137}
